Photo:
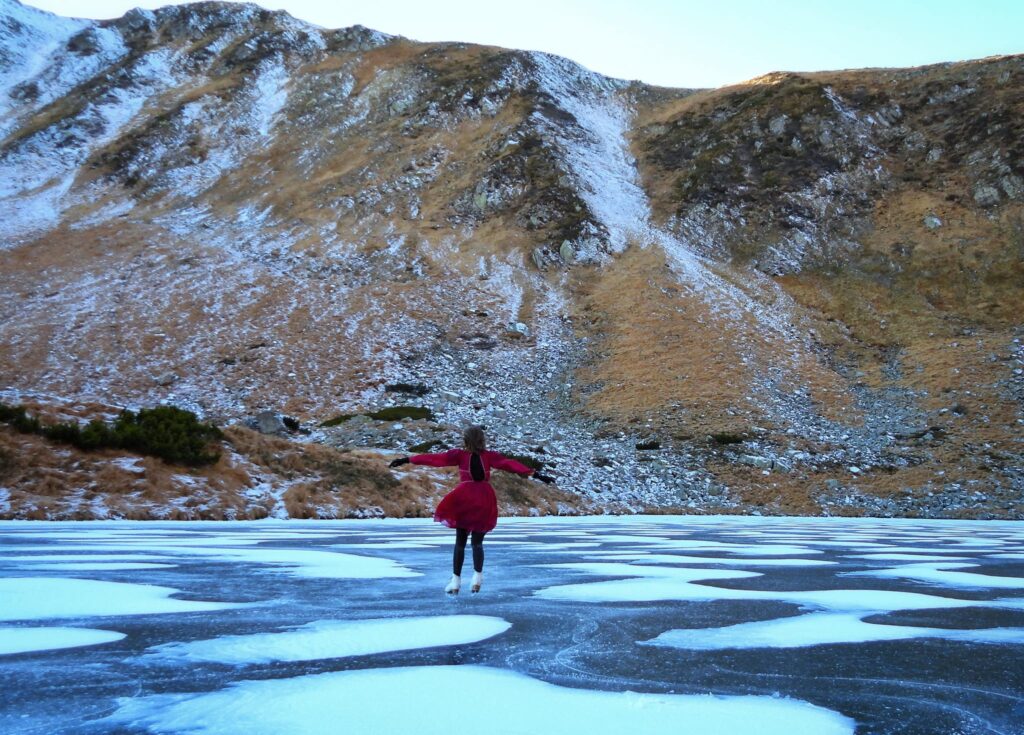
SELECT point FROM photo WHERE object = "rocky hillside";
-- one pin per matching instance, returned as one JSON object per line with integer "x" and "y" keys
{"x": 801, "y": 294}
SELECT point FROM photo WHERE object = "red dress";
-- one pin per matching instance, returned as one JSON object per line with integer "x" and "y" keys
{"x": 471, "y": 504}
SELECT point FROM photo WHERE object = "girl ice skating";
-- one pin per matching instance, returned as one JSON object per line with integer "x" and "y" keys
{"x": 471, "y": 507}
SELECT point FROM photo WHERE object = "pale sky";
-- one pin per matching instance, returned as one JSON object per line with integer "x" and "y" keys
{"x": 681, "y": 43}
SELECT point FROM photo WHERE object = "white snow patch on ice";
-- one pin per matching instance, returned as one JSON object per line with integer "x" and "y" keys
{"x": 944, "y": 575}
{"x": 818, "y": 629}
{"x": 407, "y": 700}
{"x": 39, "y": 598}
{"x": 339, "y": 638}
{"x": 309, "y": 563}
{"x": 24, "y": 640}
{"x": 646, "y": 584}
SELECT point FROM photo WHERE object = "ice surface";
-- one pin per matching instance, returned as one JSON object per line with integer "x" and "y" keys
{"x": 41, "y": 598}
{"x": 905, "y": 557}
{"x": 24, "y": 640}
{"x": 311, "y": 624}
{"x": 663, "y": 544}
{"x": 97, "y": 566}
{"x": 647, "y": 558}
{"x": 338, "y": 638}
{"x": 818, "y": 629}
{"x": 440, "y": 699}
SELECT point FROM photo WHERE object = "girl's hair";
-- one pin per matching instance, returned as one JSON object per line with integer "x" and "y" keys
{"x": 474, "y": 440}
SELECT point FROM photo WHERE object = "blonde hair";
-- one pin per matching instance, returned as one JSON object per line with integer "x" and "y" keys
{"x": 474, "y": 440}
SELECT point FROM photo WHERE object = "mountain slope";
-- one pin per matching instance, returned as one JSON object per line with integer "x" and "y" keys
{"x": 229, "y": 209}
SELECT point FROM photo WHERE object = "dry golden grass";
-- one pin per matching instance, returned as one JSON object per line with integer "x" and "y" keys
{"x": 667, "y": 358}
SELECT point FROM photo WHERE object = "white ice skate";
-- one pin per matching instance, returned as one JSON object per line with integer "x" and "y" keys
{"x": 454, "y": 585}
{"x": 478, "y": 580}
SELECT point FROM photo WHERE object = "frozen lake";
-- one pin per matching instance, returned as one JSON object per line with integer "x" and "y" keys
{"x": 584, "y": 625}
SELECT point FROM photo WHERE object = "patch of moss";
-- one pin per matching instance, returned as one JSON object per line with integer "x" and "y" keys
{"x": 425, "y": 447}
{"x": 727, "y": 437}
{"x": 415, "y": 389}
{"x": 397, "y": 413}
{"x": 339, "y": 419}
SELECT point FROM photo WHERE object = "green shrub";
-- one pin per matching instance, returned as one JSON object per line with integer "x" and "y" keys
{"x": 63, "y": 432}
{"x": 17, "y": 417}
{"x": 167, "y": 432}
{"x": 96, "y": 435}
{"x": 397, "y": 413}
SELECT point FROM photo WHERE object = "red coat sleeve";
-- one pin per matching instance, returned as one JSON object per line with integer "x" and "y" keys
{"x": 442, "y": 459}
{"x": 501, "y": 462}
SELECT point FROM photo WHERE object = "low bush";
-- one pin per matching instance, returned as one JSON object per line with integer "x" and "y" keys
{"x": 17, "y": 417}
{"x": 170, "y": 433}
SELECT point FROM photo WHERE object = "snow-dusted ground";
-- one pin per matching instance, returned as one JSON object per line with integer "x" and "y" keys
{"x": 585, "y": 625}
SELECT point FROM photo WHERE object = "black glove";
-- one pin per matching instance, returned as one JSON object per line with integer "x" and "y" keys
{"x": 399, "y": 462}
{"x": 542, "y": 478}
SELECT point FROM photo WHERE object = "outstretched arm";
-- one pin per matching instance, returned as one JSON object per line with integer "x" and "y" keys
{"x": 502, "y": 462}
{"x": 441, "y": 459}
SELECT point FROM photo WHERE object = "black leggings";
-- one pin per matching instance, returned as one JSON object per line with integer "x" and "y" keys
{"x": 461, "y": 534}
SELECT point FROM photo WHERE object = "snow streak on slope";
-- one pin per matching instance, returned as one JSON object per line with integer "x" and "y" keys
{"x": 606, "y": 176}
{"x": 38, "y": 171}
{"x": 29, "y": 39}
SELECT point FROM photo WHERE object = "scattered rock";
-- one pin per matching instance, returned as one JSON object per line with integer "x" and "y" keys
{"x": 373, "y": 511}
{"x": 166, "y": 379}
{"x": 765, "y": 463}
{"x": 986, "y": 196}
{"x": 269, "y": 422}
